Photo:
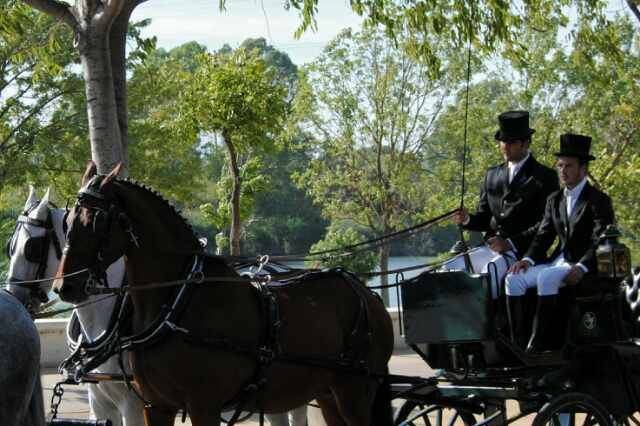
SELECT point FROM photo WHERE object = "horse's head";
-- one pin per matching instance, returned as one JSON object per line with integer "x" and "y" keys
{"x": 34, "y": 251}
{"x": 98, "y": 232}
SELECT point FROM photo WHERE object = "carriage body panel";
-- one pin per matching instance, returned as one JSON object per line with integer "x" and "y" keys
{"x": 447, "y": 307}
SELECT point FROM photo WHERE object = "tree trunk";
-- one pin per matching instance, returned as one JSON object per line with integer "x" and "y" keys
{"x": 234, "y": 234}
{"x": 118, "y": 47}
{"x": 101, "y": 31}
{"x": 384, "y": 267}
{"x": 104, "y": 131}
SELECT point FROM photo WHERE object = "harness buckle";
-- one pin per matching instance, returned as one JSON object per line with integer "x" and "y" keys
{"x": 174, "y": 327}
{"x": 197, "y": 277}
{"x": 265, "y": 355}
{"x": 90, "y": 286}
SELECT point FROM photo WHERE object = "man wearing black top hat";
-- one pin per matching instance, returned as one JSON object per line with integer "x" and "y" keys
{"x": 512, "y": 200}
{"x": 577, "y": 215}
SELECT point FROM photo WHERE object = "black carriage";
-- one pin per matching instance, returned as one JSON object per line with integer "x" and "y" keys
{"x": 451, "y": 320}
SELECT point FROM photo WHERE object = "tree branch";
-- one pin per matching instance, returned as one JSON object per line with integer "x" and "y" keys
{"x": 59, "y": 10}
{"x": 634, "y": 8}
{"x": 36, "y": 110}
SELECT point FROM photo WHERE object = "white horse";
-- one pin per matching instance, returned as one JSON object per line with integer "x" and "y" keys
{"x": 30, "y": 258}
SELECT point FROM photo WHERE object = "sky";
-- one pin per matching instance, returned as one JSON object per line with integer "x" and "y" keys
{"x": 175, "y": 22}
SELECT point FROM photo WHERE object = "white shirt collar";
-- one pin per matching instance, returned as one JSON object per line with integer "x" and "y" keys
{"x": 518, "y": 165}
{"x": 576, "y": 191}
{"x": 514, "y": 168}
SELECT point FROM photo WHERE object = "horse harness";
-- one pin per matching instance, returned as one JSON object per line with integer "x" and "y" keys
{"x": 36, "y": 248}
{"x": 114, "y": 341}
{"x": 89, "y": 355}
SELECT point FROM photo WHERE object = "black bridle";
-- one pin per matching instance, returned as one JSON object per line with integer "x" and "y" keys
{"x": 105, "y": 213}
{"x": 36, "y": 249}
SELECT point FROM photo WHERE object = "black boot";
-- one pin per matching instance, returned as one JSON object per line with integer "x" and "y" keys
{"x": 515, "y": 314}
{"x": 542, "y": 334}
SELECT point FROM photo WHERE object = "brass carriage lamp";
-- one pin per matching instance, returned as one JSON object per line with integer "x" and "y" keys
{"x": 613, "y": 257}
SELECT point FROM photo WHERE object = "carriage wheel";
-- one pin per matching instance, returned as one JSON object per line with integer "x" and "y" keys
{"x": 573, "y": 409}
{"x": 415, "y": 414}
{"x": 632, "y": 420}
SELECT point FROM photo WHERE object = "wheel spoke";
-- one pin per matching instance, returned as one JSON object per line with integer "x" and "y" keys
{"x": 453, "y": 418}
{"x": 439, "y": 417}
{"x": 591, "y": 420}
{"x": 425, "y": 419}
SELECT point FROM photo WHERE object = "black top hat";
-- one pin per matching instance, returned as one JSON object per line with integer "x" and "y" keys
{"x": 514, "y": 125}
{"x": 575, "y": 146}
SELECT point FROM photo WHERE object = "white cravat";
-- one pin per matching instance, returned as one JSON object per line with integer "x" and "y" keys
{"x": 514, "y": 168}
{"x": 572, "y": 195}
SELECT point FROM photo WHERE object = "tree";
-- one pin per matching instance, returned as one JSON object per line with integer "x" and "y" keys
{"x": 342, "y": 236}
{"x": 372, "y": 109}
{"x": 238, "y": 98}
{"x": 490, "y": 25}
{"x": 100, "y": 30}
{"x": 583, "y": 87}
{"x": 34, "y": 77}
{"x": 157, "y": 79}
{"x": 285, "y": 219}
{"x": 100, "y": 33}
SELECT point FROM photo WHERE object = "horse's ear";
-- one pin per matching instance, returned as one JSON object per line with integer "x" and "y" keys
{"x": 90, "y": 172}
{"x": 42, "y": 210}
{"x": 112, "y": 175}
{"x": 31, "y": 199}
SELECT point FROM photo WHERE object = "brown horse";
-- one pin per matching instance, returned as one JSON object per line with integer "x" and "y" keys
{"x": 333, "y": 342}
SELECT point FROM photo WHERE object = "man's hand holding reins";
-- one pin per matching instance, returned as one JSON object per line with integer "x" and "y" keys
{"x": 460, "y": 216}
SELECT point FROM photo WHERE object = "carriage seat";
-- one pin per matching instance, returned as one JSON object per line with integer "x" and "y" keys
{"x": 589, "y": 312}
{"x": 596, "y": 310}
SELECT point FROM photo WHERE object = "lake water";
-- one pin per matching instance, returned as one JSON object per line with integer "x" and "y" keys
{"x": 396, "y": 262}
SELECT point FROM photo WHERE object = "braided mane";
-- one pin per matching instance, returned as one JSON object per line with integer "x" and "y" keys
{"x": 170, "y": 207}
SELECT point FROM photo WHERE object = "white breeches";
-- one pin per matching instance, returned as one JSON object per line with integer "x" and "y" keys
{"x": 295, "y": 417}
{"x": 484, "y": 261}
{"x": 547, "y": 277}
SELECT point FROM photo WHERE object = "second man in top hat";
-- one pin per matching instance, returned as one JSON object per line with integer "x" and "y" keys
{"x": 512, "y": 201}
{"x": 577, "y": 215}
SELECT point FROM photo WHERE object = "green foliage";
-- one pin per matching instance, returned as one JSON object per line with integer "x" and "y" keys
{"x": 372, "y": 111}
{"x": 218, "y": 212}
{"x": 285, "y": 220}
{"x": 161, "y": 154}
{"x": 339, "y": 237}
{"x": 7, "y": 223}
{"x": 35, "y": 60}
{"x": 490, "y": 25}
{"x": 236, "y": 95}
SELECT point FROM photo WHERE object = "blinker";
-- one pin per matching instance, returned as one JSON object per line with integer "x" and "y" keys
{"x": 34, "y": 249}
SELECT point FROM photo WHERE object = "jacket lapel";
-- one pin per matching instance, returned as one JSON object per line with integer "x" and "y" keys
{"x": 563, "y": 214}
{"x": 520, "y": 177}
{"x": 503, "y": 178}
{"x": 578, "y": 208}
